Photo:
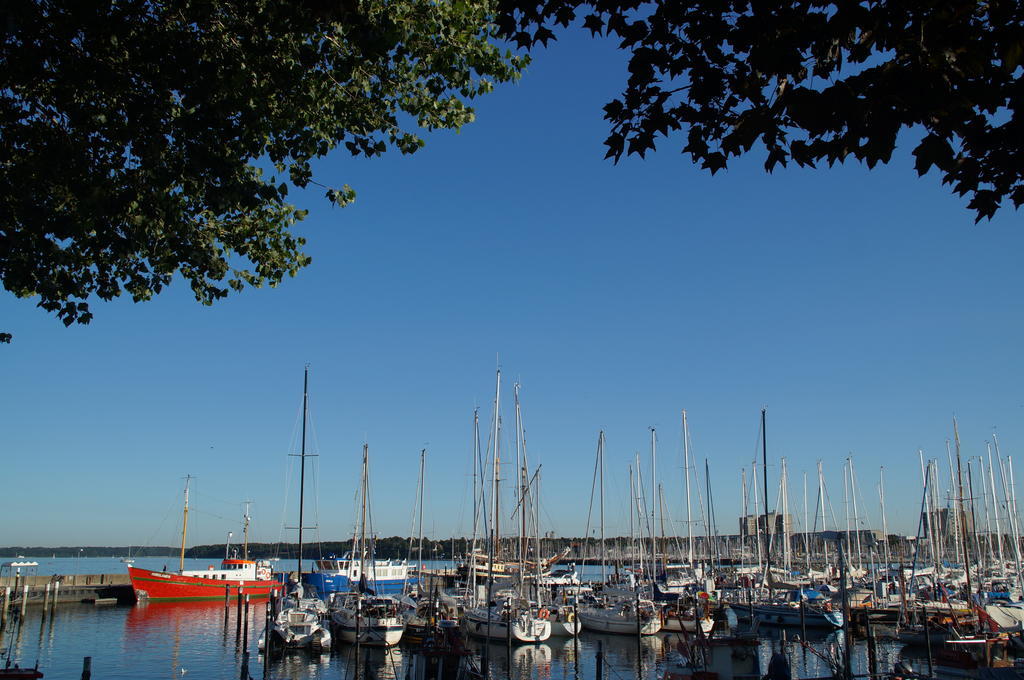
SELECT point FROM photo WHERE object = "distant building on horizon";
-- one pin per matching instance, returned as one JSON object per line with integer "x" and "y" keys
{"x": 752, "y": 525}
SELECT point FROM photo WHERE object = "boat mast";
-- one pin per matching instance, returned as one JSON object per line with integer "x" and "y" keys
{"x": 821, "y": 507}
{"x": 362, "y": 519}
{"x": 522, "y": 474}
{"x": 495, "y": 481}
{"x": 1010, "y": 496}
{"x": 995, "y": 508}
{"x": 784, "y": 481}
{"x": 764, "y": 473}
{"x": 960, "y": 507}
{"x": 302, "y": 461}
{"x": 604, "y": 551}
{"x": 856, "y": 513}
{"x": 245, "y": 532}
{"x": 807, "y": 531}
{"x": 478, "y": 501}
{"x": 686, "y": 477}
{"x": 654, "y": 503}
{"x": 419, "y": 547}
{"x": 885, "y": 526}
{"x": 184, "y": 526}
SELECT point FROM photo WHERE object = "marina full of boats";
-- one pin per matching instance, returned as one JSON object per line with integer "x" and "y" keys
{"x": 953, "y": 590}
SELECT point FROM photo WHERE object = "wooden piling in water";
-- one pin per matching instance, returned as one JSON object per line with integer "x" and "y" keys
{"x": 24, "y": 600}
{"x": 87, "y": 668}
{"x": 46, "y": 599}
{"x": 7, "y": 606}
{"x": 238, "y": 614}
{"x": 245, "y": 627}
{"x": 56, "y": 592}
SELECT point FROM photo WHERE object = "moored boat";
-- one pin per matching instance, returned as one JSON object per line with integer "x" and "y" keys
{"x": 622, "y": 616}
{"x": 507, "y": 622}
{"x": 374, "y": 621}
{"x": 253, "y": 577}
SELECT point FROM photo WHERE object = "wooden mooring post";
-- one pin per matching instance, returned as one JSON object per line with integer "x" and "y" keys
{"x": 87, "y": 668}
{"x": 46, "y": 599}
{"x": 238, "y": 615}
{"x": 245, "y": 627}
{"x": 24, "y": 600}
{"x": 7, "y": 606}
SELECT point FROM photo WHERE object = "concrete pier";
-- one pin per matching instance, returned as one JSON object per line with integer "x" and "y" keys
{"x": 49, "y": 590}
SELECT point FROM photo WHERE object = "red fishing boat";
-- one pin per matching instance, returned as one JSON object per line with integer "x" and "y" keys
{"x": 254, "y": 577}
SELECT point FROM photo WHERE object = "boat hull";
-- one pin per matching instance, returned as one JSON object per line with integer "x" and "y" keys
{"x": 328, "y": 584}
{"x": 526, "y": 629}
{"x": 785, "y": 615}
{"x": 602, "y": 621}
{"x": 161, "y": 585}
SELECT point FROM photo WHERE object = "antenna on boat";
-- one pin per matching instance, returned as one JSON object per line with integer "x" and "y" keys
{"x": 245, "y": 531}
{"x": 184, "y": 526}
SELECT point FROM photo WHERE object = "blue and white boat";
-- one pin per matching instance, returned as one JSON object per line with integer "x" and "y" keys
{"x": 342, "y": 575}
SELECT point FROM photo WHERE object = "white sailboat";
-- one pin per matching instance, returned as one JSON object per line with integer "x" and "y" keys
{"x": 624, "y": 612}
{"x": 298, "y": 624}
{"x": 375, "y": 620}
{"x": 623, "y": 616}
{"x": 511, "y": 619}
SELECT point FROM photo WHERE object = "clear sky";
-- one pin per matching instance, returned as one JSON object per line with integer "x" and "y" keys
{"x": 864, "y": 308}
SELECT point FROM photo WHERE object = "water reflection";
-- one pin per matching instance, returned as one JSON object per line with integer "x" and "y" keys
{"x": 161, "y": 640}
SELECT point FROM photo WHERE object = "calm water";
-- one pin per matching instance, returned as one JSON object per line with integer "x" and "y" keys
{"x": 186, "y": 641}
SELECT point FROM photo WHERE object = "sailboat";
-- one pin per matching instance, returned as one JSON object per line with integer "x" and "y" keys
{"x": 298, "y": 623}
{"x": 374, "y": 620}
{"x": 616, "y": 611}
{"x": 252, "y": 577}
{"x": 509, "y": 617}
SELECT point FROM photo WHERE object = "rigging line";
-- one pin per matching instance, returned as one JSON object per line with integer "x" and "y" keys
{"x": 173, "y": 506}
{"x": 590, "y": 508}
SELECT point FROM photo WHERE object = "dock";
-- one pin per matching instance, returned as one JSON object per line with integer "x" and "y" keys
{"x": 99, "y": 588}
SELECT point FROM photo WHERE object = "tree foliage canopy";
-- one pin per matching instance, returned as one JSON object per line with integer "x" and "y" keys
{"x": 144, "y": 138}
{"x": 814, "y": 80}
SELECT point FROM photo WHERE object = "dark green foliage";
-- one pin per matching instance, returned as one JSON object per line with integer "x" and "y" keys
{"x": 139, "y": 140}
{"x": 813, "y": 81}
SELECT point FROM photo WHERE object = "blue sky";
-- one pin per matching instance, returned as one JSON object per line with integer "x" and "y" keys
{"x": 864, "y": 308}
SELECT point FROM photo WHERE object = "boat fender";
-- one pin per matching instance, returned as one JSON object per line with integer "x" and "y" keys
{"x": 543, "y": 614}
{"x": 570, "y": 617}
{"x": 828, "y": 606}
{"x": 209, "y": 567}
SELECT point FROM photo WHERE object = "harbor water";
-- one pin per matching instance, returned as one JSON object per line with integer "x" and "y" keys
{"x": 205, "y": 640}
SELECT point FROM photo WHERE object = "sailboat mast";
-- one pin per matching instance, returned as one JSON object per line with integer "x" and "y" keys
{"x": 784, "y": 481}
{"x": 856, "y": 513}
{"x": 995, "y": 508}
{"x": 362, "y": 519}
{"x": 654, "y": 502}
{"x": 522, "y": 474}
{"x": 302, "y": 461}
{"x": 184, "y": 526}
{"x": 885, "y": 525}
{"x": 960, "y": 508}
{"x": 496, "y": 477}
{"x": 604, "y": 551}
{"x": 807, "y": 530}
{"x": 419, "y": 548}
{"x": 686, "y": 477}
{"x": 764, "y": 474}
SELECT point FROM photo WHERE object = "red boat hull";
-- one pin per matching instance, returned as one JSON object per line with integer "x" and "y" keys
{"x": 161, "y": 585}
